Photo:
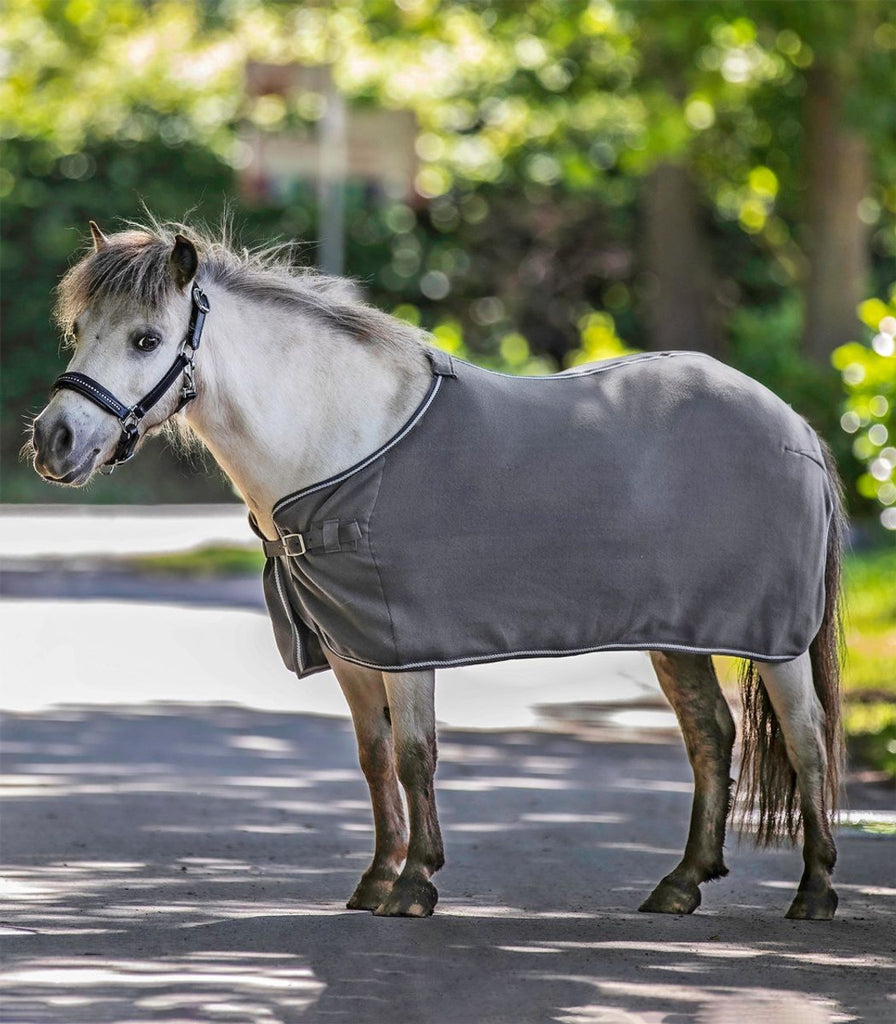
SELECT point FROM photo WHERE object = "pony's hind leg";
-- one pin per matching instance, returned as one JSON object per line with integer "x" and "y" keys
{"x": 790, "y": 689}
{"x": 366, "y": 696}
{"x": 690, "y": 684}
{"x": 411, "y": 702}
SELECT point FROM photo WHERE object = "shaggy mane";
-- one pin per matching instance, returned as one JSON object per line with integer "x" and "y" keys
{"x": 134, "y": 267}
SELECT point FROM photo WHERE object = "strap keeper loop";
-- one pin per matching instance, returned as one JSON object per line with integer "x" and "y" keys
{"x": 328, "y": 537}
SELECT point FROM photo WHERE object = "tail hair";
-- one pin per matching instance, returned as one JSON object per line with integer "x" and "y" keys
{"x": 767, "y": 784}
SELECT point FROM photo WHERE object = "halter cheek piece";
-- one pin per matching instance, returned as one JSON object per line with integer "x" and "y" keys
{"x": 130, "y": 416}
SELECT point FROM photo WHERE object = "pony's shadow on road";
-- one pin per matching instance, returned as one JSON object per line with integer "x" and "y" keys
{"x": 191, "y": 864}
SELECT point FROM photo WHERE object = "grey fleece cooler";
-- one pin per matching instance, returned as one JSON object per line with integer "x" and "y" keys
{"x": 663, "y": 501}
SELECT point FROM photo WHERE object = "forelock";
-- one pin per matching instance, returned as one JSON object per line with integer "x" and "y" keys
{"x": 132, "y": 266}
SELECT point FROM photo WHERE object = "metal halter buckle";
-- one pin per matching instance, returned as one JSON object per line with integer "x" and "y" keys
{"x": 188, "y": 388}
{"x": 199, "y": 299}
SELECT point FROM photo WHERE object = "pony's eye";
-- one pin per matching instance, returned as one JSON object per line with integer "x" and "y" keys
{"x": 147, "y": 342}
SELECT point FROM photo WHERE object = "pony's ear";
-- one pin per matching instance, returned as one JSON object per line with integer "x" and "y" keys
{"x": 183, "y": 261}
{"x": 99, "y": 239}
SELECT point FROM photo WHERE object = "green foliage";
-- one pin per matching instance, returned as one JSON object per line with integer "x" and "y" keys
{"x": 537, "y": 123}
{"x": 116, "y": 69}
{"x": 764, "y": 343}
{"x": 45, "y": 217}
{"x": 206, "y": 561}
{"x": 871, "y": 729}
{"x": 599, "y": 340}
{"x": 868, "y": 372}
{"x": 871, "y": 622}
{"x": 869, "y": 679}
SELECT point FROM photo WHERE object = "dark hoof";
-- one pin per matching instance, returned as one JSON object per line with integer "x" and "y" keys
{"x": 672, "y": 898}
{"x": 410, "y": 897}
{"x": 813, "y": 906}
{"x": 370, "y": 893}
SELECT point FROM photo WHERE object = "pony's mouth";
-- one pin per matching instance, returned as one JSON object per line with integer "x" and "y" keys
{"x": 75, "y": 477}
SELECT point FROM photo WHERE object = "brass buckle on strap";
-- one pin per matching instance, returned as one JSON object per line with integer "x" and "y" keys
{"x": 288, "y": 548}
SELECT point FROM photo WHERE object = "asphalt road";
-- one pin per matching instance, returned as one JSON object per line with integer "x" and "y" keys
{"x": 185, "y": 864}
{"x": 189, "y": 863}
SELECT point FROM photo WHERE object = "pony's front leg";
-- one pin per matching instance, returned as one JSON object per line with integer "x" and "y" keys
{"x": 411, "y": 703}
{"x": 366, "y": 696}
{"x": 691, "y": 687}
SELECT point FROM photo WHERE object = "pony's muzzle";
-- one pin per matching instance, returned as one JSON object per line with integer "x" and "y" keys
{"x": 57, "y": 454}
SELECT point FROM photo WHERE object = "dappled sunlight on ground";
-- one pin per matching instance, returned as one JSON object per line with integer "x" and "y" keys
{"x": 721, "y": 1005}
{"x": 175, "y": 863}
{"x": 206, "y": 985}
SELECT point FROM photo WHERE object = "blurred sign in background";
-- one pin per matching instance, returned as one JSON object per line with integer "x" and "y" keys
{"x": 537, "y": 183}
{"x": 373, "y": 147}
{"x": 370, "y": 146}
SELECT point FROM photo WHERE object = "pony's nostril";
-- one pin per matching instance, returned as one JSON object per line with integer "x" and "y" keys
{"x": 61, "y": 441}
{"x": 39, "y": 435}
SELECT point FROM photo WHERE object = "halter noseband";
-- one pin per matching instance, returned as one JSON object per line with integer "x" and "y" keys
{"x": 130, "y": 416}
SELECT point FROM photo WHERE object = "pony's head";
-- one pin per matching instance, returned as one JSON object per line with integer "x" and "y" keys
{"x": 125, "y": 308}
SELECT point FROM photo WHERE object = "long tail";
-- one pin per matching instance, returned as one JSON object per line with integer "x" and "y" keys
{"x": 767, "y": 783}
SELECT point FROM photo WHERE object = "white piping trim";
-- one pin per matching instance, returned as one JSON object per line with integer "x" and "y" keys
{"x": 605, "y": 366}
{"x": 437, "y": 381}
{"x": 330, "y": 481}
{"x": 482, "y": 659}
{"x": 296, "y": 642}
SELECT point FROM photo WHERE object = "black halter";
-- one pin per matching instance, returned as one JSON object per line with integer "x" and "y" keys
{"x": 130, "y": 416}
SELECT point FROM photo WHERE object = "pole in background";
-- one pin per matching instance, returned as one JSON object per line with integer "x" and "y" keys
{"x": 333, "y": 146}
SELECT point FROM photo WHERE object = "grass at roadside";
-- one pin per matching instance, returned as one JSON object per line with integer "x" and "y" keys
{"x": 206, "y": 561}
{"x": 870, "y": 587}
{"x": 869, "y": 679}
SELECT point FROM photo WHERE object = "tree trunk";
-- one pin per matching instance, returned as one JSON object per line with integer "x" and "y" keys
{"x": 837, "y": 240}
{"x": 683, "y": 310}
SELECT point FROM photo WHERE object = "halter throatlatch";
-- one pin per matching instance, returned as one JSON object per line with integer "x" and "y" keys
{"x": 130, "y": 416}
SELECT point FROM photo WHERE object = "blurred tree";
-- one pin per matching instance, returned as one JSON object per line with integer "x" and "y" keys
{"x": 836, "y": 238}
{"x": 590, "y": 169}
{"x": 844, "y": 64}
{"x": 681, "y": 290}
{"x": 682, "y": 307}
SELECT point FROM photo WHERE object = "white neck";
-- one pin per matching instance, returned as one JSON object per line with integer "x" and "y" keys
{"x": 284, "y": 402}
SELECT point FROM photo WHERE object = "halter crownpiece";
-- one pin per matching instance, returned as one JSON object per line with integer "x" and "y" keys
{"x": 130, "y": 416}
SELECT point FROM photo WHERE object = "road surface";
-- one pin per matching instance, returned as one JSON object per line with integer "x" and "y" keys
{"x": 183, "y": 822}
{"x": 190, "y": 864}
